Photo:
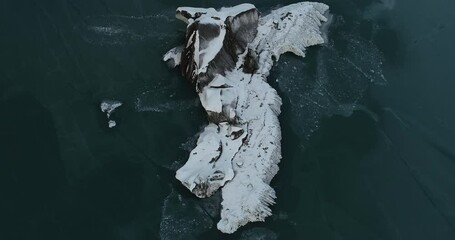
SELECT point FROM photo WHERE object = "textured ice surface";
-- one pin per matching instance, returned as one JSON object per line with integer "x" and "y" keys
{"x": 240, "y": 150}
{"x": 184, "y": 218}
{"x": 258, "y": 234}
{"x": 119, "y": 30}
{"x": 334, "y": 86}
{"x": 161, "y": 99}
{"x": 148, "y": 104}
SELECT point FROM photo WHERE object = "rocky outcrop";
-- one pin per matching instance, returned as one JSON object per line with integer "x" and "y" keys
{"x": 227, "y": 55}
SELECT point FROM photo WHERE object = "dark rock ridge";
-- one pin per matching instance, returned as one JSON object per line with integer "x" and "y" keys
{"x": 240, "y": 30}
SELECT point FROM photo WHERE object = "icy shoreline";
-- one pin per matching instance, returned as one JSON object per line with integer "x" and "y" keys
{"x": 228, "y": 55}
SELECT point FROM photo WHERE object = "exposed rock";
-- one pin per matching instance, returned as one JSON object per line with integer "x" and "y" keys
{"x": 214, "y": 39}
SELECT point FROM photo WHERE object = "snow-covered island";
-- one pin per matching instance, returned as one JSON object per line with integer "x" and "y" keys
{"x": 227, "y": 56}
{"x": 109, "y": 107}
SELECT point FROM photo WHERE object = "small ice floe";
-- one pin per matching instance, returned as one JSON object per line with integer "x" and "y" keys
{"x": 108, "y": 107}
{"x": 111, "y": 123}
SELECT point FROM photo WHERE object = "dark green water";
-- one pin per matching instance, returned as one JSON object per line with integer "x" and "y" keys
{"x": 368, "y": 125}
